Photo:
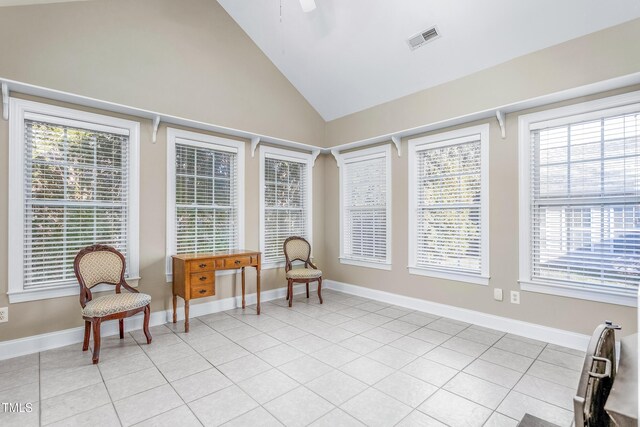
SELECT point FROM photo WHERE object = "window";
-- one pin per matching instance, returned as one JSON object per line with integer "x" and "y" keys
{"x": 285, "y": 200}
{"x": 205, "y": 194}
{"x": 365, "y": 208}
{"x": 580, "y": 200}
{"x": 73, "y": 183}
{"x": 449, "y": 210}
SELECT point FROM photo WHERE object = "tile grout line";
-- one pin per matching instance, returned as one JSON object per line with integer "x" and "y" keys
{"x": 317, "y": 317}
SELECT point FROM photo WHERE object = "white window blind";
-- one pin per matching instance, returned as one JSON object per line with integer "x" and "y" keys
{"x": 449, "y": 208}
{"x": 585, "y": 202}
{"x": 76, "y": 183}
{"x": 366, "y": 207}
{"x": 286, "y": 203}
{"x": 449, "y": 205}
{"x": 206, "y": 199}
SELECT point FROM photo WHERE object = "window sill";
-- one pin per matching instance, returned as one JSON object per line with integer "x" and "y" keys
{"x": 272, "y": 265}
{"x": 628, "y": 298}
{"x": 62, "y": 291}
{"x": 279, "y": 264}
{"x": 458, "y": 277}
{"x": 367, "y": 264}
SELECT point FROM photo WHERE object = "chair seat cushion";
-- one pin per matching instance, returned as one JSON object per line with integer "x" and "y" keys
{"x": 303, "y": 273}
{"x": 115, "y": 303}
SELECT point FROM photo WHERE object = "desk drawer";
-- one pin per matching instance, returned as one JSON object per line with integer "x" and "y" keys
{"x": 204, "y": 278}
{"x": 202, "y": 265}
{"x": 201, "y": 291}
{"x": 237, "y": 262}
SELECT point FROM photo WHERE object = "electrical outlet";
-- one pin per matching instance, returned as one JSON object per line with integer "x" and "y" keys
{"x": 497, "y": 294}
{"x": 515, "y": 297}
{"x": 4, "y": 314}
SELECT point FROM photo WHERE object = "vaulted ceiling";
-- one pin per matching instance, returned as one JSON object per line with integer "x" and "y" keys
{"x": 349, "y": 55}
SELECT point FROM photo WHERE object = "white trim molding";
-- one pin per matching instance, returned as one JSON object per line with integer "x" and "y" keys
{"x": 268, "y": 152}
{"x": 352, "y": 157}
{"x": 20, "y": 111}
{"x": 51, "y": 340}
{"x": 591, "y": 110}
{"x": 526, "y": 329}
{"x": 210, "y": 142}
{"x": 467, "y": 134}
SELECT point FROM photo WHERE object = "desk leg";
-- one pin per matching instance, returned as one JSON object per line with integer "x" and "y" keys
{"x": 258, "y": 289}
{"x": 175, "y": 306}
{"x": 186, "y": 315}
{"x": 243, "y": 287}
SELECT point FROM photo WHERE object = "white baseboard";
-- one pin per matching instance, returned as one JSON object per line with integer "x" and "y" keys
{"x": 530, "y": 330}
{"x": 51, "y": 340}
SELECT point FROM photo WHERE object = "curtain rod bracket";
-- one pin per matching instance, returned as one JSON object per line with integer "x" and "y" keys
{"x": 5, "y": 101}
{"x": 254, "y": 144}
{"x": 314, "y": 154}
{"x": 396, "y": 141}
{"x": 156, "y": 124}
{"x": 336, "y": 155}
{"x": 501, "y": 122}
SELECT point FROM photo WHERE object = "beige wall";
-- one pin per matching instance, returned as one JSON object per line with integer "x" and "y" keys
{"x": 185, "y": 58}
{"x": 554, "y": 311}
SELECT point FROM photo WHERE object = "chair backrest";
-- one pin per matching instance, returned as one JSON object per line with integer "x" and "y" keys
{"x": 598, "y": 373}
{"x": 98, "y": 264}
{"x": 296, "y": 249}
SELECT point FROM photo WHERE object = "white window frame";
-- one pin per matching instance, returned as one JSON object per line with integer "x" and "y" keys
{"x": 443, "y": 140}
{"x": 20, "y": 110}
{"x": 287, "y": 155}
{"x": 197, "y": 139}
{"x": 359, "y": 156}
{"x": 619, "y": 104}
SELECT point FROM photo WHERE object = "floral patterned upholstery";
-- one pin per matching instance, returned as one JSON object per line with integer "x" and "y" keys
{"x": 100, "y": 267}
{"x": 115, "y": 303}
{"x": 303, "y": 273}
{"x": 297, "y": 249}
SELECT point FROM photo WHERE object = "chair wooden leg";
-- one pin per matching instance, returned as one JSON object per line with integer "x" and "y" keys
{"x": 287, "y": 290}
{"x": 307, "y": 289}
{"x": 147, "y": 314}
{"x": 121, "y": 325}
{"x": 290, "y": 286}
{"x": 87, "y": 335}
{"x": 320, "y": 289}
{"x": 96, "y": 340}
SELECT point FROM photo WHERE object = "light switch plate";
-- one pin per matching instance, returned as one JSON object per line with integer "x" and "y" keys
{"x": 497, "y": 294}
{"x": 515, "y": 297}
{"x": 4, "y": 314}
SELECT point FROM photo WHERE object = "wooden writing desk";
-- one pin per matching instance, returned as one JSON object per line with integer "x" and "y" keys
{"x": 194, "y": 275}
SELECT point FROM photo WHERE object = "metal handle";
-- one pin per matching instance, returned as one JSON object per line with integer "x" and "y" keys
{"x": 607, "y": 368}
{"x": 202, "y": 291}
{"x": 202, "y": 265}
{"x": 238, "y": 261}
{"x": 203, "y": 278}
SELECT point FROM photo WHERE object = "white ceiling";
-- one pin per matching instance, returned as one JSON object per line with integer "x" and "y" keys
{"x": 349, "y": 55}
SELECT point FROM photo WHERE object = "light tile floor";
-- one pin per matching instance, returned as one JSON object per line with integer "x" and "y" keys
{"x": 350, "y": 361}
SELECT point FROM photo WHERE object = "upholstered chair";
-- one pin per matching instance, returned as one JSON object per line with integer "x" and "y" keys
{"x": 99, "y": 264}
{"x": 298, "y": 249}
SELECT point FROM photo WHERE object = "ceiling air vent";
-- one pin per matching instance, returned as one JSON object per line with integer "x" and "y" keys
{"x": 423, "y": 37}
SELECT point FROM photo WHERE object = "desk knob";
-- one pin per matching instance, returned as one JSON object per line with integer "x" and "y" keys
{"x": 237, "y": 261}
{"x": 203, "y": 278}
{"x": 202, "y": 265}
{"x": 202, "y": 291}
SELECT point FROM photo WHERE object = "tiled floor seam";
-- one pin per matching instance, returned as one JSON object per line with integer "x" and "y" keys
{"x": 113, "y": 405}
